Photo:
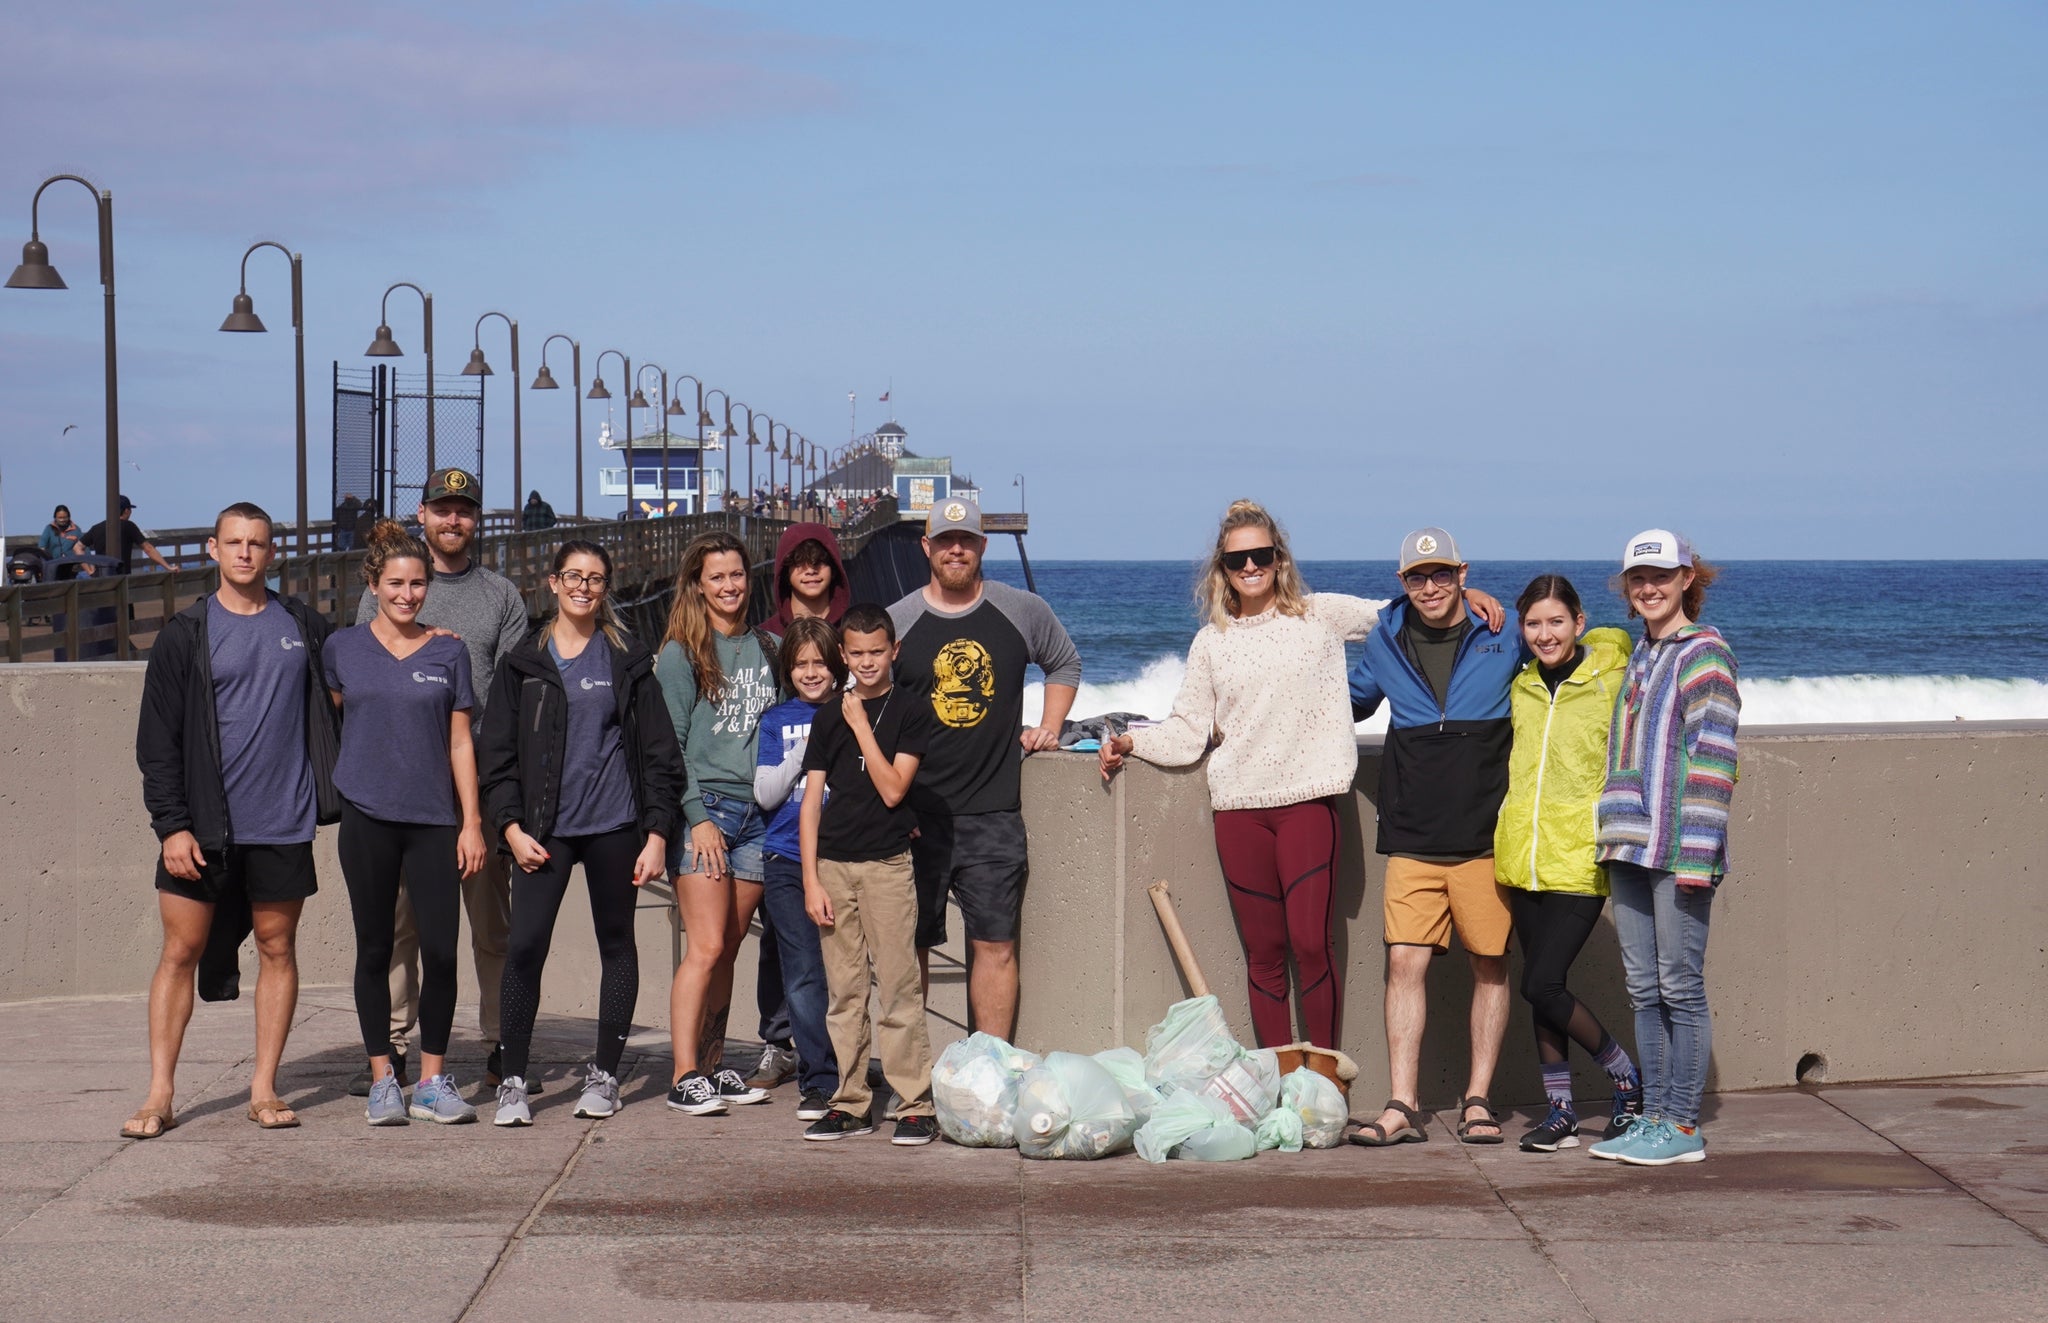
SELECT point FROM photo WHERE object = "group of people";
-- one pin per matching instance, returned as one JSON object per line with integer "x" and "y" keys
{"x": 70, "y": 548}
{"x": 1530, "y": 768}
{"x": 843, "y": 770}
{"x": 472, "y": 761}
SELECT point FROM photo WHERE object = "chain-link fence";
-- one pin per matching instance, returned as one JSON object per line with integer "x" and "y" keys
{"x": 380, "y": 434}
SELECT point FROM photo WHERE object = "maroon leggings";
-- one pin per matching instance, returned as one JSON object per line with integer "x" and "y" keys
{"x": 1279, "y": 864}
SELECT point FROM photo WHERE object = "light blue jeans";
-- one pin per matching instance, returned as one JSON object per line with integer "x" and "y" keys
{"x": 1663, "y": 931}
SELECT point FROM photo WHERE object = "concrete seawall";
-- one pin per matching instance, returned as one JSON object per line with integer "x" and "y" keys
{"x": 1885, "y": 918}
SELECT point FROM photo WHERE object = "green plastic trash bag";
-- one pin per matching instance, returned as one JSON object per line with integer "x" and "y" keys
{"x": 1127, "y": 1064}
{"x": 1068, "y": 1106}
{"x": 1183, "y": 1118}
{"x": 1281, "y": 1129}
{"x": 1226, "y": 1141}
{"x": 1248, "y": 1086}
{"x": 974, "y": 1087}
{"x": 1191, "y": 1045}
{"x": 1320, "y": 1105}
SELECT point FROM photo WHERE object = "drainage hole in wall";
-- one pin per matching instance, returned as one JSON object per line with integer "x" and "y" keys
{"x": 1812, "y": 1069}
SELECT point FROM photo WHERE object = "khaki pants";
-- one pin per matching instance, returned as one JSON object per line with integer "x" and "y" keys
{"x": 874, "y": 911}
{"x": 487, "y": 897}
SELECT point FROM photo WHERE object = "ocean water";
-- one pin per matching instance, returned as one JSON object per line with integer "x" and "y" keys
{"x": 1815, "y": 641}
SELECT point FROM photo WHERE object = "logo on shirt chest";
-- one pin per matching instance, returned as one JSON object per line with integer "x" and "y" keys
{"x": 963, "y": 683}
{"x": 421, "y": 677}
{"x": 589, "y": 684}
{"x": 287, "y": 642}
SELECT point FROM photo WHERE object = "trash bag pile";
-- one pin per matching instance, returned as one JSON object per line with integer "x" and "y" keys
{"x": 1195, "y": 1094}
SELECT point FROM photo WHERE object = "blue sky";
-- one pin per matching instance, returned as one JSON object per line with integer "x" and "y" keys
{"x": 1772, "y": 274}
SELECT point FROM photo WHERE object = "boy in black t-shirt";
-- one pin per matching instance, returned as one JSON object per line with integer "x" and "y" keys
{"x": 864, "y": 750}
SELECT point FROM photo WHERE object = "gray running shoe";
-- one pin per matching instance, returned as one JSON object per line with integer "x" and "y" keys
{"x": 387, "y": 1102}
{"x": 736, "y": 1091}
{"x": 778, "y": 1064}
{"x": 600, "y": 1093}
{"x": 512, "y": 1108}
{"x": 436, "y": 1099}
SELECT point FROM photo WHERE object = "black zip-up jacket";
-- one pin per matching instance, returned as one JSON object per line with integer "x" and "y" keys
{"x": 177, "y": 735}
{"x": 523, "y": 744}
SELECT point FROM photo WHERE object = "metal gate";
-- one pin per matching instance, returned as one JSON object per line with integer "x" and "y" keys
{"x": 380, "y": 435}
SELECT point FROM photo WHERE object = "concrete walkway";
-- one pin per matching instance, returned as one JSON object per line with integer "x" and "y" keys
{"x": 1920, "y": 1200}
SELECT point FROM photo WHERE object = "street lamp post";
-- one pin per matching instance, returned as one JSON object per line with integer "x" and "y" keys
{"x": 703, "y": 420}
{"x": 726, "y": 437}
{"x": 477, "y": 367}
{"x": 1023, "y": 494}
{"x": 753, "y": 441}
{"x": 383, "y": 346}
{"x": 244, "y": 318}
{"x": 545, "y": 380}
{"x": 35, "y": 272}
{"x": 598, "y": 392}
{"x": 660, "y": 404}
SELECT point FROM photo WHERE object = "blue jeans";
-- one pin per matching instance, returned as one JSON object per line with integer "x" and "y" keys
{"x": 1663, "y": 931}
{"x": 803, "y": 974}
{"x": 742, "y": 825}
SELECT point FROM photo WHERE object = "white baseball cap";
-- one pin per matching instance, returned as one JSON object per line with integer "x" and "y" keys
{"x": 1659, "y": 547}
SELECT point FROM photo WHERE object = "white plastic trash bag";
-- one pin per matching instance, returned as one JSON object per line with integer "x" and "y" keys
{"x": 1192, "y": 1125}
{"x": 1281, "y": 1129}
{"x": 1127, "y": 1064}
{"x": 974, "y": 1085}
{"x": 1320, "y": 1105}
{"x": 1068, "y": 1106}
{"x": 1248, "y": 1086}
{"x": 1191, "y": 1046}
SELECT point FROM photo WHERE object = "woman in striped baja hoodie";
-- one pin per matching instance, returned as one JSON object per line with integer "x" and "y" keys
{"x": 1663, "y": 834}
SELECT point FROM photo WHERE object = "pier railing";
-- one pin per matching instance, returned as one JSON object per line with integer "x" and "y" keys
{"x": 117, "y": 617}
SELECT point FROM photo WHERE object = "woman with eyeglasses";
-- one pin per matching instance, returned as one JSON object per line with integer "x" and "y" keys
{"x": 580, "y": 765}
{"x": 1266, "y": 688}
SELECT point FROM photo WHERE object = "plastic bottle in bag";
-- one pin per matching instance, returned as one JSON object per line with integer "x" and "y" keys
{"x": 1320, "y": 1105}
{"x": 1068, "y": 1106}
{"x": 974, "y": 1088}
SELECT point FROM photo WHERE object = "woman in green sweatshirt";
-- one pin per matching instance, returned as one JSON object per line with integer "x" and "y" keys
{"x": 718, "y": 679}
{"x": 1562, "y": 703}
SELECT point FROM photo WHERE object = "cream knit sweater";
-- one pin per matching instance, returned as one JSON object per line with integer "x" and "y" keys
{"x": 1275, "y": 687}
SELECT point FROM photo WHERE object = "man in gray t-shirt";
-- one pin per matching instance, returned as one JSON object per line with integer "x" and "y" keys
{"x": 489, "y": 614}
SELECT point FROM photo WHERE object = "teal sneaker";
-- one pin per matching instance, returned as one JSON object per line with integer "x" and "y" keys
{"x": 1669, "y": 1145}
{"x": 436, "y": 1099}
{"x": 387, "y": 1102}
{"x": 1642, "y": 1132}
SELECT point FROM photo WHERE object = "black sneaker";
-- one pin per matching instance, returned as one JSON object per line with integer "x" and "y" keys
{"x": 814, "y": 1104}
{"x": 696, "y": 1094}
{"x": 914, "y": 1130}
{"x": 736, "y": 1091}
{"x": 494, "y": 1072}
{"x": 835, "y": 1124}
{"x": 359, "y": 1087}
{"x": 1559, "y": 1130}
{"x": 1628, "y": 1109}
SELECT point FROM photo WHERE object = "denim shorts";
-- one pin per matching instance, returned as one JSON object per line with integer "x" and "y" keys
{"x": 743, "y": 828}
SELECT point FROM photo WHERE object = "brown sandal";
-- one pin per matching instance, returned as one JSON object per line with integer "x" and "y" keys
{"x": 137, "y": 1126}
{"x": 274, "y": 1106}
{"x": 1492, "y": 1118}
{"x": 1370, "y": 1135}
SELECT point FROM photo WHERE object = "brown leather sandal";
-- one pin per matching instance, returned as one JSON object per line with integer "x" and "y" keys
{"x": 137, "y": 1126}
{"x": 1412, "y": 1131}
{"x": 274, "y": 1106}
{"x": 1492, "y": 1118}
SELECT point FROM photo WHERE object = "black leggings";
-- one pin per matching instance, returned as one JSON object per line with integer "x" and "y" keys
{"x": 374, "y": 855}
{"x": 1552, "y": 927}
{"x": 607, "y": 862}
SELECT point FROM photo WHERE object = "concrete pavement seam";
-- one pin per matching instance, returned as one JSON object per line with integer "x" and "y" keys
{"x": 1535, "y": 1237}
{"x": 1994, "y": 1209}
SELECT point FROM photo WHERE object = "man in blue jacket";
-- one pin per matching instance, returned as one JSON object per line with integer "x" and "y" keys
{"x": 1443, "y": 773}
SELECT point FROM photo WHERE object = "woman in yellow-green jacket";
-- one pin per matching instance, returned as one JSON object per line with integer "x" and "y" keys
{"x": 1562, "y": 703}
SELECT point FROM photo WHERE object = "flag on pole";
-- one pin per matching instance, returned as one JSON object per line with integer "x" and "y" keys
{"x": 885, "y": 397}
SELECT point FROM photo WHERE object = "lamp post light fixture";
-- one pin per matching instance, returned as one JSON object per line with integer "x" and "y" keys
{"x": 477, "y": 367}
{"x": 244, "y": 318}
{"x": 1023, "y": 494}
{"x": 660, "y": 403}
{"x": 726, "y": 436}
{"x": 753, "y": 441}
{"x": 545, "y": 380}
{"x": 598, "y": 392}
{"x": 703, "y": 420}
{"x": 35, "y": 272}
{"x": 384, "y": 346}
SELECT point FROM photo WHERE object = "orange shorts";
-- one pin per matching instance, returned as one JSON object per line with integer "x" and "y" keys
{"x": 1424, "y": 902}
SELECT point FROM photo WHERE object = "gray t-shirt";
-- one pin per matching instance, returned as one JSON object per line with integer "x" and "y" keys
{"x": 480, "y": 605}
{"x": 394, "y": 725}
{"x": 259, "y": 708}
{"x": 597, "y": 796}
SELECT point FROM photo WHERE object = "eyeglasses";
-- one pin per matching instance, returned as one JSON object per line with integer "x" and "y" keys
{"x": 578, "y": 579}
{"x": 1235, "y": 561}
{"x": 1440, "y": 577}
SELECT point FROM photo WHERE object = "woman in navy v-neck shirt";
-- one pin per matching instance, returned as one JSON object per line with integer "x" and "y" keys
{"x": 407, "y": 777}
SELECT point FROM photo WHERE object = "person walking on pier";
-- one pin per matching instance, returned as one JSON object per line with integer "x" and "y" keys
{"x": 1267, "y": 671}
{"x": 1663, "y": 835}
{"x": 407, "y": 776}
{"x": 485, "y": 610}
{"x": 579, "y": 765}
{"x": 134, "y": 541}
{"x": 1441, "y": 665}
{"x": 717, "y": 678}
{"x": 237, "y": 746}
{"x": 1562, "y": 702}
{"x": 965, "y": 646}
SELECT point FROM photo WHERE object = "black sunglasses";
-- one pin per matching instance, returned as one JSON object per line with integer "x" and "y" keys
{"x": 1259, "y": 556}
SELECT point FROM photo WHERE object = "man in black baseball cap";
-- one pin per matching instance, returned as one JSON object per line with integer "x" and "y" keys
{"x": 132, "y": 540}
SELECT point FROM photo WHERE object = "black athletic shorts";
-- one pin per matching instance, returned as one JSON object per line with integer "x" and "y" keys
{"x": 265, "y": 872}
{"x": 981, "y": 858}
